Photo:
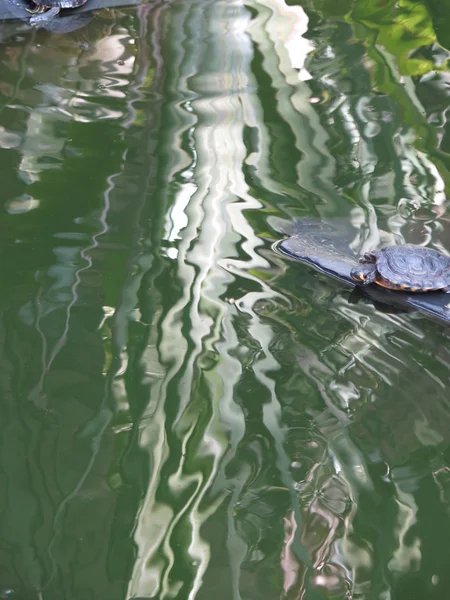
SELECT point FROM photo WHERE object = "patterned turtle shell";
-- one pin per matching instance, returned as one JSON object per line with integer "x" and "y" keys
{"x": 408, "y": 267}
{"x": 46, "y": 4}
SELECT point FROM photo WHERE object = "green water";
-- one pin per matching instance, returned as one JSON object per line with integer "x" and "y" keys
{"x": 184, "y": 413}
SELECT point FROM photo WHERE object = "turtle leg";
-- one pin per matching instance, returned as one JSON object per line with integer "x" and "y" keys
{"x": 446, "y": 289}
{"x": 42, "y": 15}
{"x": 368, "y": 258}
{"x": 364, "y": 274}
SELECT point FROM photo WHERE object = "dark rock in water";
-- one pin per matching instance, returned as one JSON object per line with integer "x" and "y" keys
{"x": 74, "y": 14}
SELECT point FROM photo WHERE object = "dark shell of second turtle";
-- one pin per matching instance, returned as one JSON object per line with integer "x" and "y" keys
{"x": 413, "y": 267}
{"x": 58, "y": 3}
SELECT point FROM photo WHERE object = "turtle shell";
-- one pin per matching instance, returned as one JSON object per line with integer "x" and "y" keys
{"x": 412, "y": 267}
{"x": 59, "y": 3}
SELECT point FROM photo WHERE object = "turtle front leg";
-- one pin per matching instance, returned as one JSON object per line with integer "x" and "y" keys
{"x": 43, "y": 15}
{"x": 368, "y": 258}
{"x": 446, "y": 289}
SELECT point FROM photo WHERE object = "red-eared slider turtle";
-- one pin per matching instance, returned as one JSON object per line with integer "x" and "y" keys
{"x": 326, "y": 245}
{"x": 47, "y": 9}
{"x": 408, "y": 268}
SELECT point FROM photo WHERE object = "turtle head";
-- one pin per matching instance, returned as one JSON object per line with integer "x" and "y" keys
{"x": 364, "y": 274}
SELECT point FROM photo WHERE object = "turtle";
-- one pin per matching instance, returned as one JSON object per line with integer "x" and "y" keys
{"x": 325, "y": 245}
{"x": 407, "y": 268}
{"x": 45, "y": 10}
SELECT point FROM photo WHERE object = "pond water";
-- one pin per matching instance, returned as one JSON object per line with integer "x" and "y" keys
{"x": 186, "y": 414}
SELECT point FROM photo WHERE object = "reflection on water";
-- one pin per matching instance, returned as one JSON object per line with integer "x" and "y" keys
{"x": 185, "y": 414}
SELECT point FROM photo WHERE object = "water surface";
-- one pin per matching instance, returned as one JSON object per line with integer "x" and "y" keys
{"x": 185, "y": 413}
